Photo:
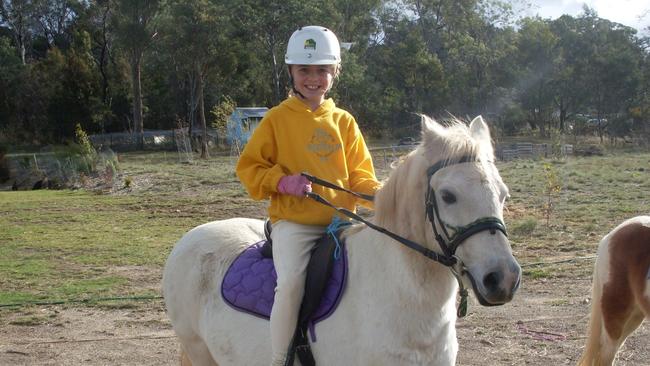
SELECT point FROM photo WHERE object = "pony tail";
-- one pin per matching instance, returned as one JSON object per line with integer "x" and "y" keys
{"x": 591, "y": 353}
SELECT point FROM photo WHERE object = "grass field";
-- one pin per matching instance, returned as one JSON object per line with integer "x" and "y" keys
{"x": 101, "y": 243}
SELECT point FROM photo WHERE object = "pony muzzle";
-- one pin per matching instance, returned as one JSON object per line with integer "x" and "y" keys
{"x": 497, "y": 286}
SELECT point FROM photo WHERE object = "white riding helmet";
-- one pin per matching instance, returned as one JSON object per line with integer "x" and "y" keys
{"x": 313, "y": 45}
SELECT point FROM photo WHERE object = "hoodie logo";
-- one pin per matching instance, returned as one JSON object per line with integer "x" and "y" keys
{"x": 323, "y": 144}
{"x": 310, "y": 44}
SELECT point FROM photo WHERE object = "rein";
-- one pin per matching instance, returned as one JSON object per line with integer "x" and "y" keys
{"x": 448, "y": 246}
{"x": 447, "y": 261}
{"x": 327, "y": 184}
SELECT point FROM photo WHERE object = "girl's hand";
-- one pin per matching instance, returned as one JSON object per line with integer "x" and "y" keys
{"x": 295, "y": 185}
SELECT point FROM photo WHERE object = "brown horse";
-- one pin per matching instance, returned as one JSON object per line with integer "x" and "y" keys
{"x": 621, "y": 290}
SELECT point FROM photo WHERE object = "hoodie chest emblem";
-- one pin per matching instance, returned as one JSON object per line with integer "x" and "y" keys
{"x": 323, "y": 144}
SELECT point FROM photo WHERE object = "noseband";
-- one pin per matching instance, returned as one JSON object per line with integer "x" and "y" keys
{"x": 449, "y": 243}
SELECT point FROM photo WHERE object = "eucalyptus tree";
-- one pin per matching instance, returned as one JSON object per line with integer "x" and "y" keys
{"x": 71, "y": 88}
{"x": 474, "y": 42}
{"x": 17, "y": 16}
{"x": 11, "y": 73}
{"x": 407, "y": 78}
{"x": 112, "y": 67}
{"x": 97, "y": 22}
{"x": 479, "y": 62}
{"x": 196, "y": 34}
{"x": 641, "y": 113}
{"x": 573, "y": 57}
{"x": 537, "y": 52}
{"x": 615, "y": 69}
{"x": 270, "y": 24}
{"x": 355, "y": 23}
{"x": 55, "y": 19}
{"x": 437, "y": 20}
{"x": 135, "y": 30}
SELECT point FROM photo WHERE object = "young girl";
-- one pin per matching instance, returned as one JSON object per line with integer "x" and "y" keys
{"x": 305, "y": 133}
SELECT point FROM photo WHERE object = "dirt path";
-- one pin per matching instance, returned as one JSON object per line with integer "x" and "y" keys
{"x": 544, "y": 325}
{"x": 89, "y": 336}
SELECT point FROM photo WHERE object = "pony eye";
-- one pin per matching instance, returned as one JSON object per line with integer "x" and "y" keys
{"x": 448, "y": 197}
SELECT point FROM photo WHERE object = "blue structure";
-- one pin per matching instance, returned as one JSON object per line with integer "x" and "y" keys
{"x": 241, "y": 124}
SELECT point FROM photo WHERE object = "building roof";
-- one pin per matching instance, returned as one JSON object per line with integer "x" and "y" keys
{"x": 248, "y": 112}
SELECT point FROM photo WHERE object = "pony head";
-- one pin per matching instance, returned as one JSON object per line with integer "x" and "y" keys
{"x": 448, "y": 195}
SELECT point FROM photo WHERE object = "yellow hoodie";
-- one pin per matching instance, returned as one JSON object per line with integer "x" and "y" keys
{"x": 325, "y": 143}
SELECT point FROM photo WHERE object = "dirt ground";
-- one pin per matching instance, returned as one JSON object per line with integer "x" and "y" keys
{"x": 544, "y": 325}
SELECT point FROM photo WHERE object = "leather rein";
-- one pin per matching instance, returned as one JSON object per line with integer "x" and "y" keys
{"x": 448, "y": 244}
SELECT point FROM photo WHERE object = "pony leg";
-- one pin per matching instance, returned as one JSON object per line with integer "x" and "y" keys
{"x": 185, "y": 359}
{"x": 631, "y": 323}
{"x": 610, "y": 346}
{"x": 196, "y": 354}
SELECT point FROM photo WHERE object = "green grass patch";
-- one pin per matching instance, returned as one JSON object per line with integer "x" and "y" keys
{"x": 31, "y": 320}
{"x": 524, "y": 227}
{"x": 78, "y": 246}
{"x": 537, "y": 273}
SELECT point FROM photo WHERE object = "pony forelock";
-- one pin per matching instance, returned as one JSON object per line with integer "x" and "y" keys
{"x": 454, "y": 141}
{"x": 405, "y": 188}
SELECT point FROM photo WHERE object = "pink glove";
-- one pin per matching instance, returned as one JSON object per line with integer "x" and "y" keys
{"x": 295, "y": 185}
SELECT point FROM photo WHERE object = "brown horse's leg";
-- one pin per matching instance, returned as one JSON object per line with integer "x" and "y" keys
{"x": 623, "y": 293}
{"x": 610, "y": 346}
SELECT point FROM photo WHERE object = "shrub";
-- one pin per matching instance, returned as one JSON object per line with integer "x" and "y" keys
{"x": 525, "y": 227}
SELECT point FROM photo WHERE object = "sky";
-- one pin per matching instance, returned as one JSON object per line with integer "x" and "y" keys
{"x": 627, "y": 12}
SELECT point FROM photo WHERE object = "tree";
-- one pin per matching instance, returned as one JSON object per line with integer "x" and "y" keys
{"x": 54, "y": 18}
{"x": 271, "y": 23}
{"x": 407, "y": 77}
{"x": 133, "y": 21}
{"x": 17, "y": 15}
{"x": 11, "y": 73}
{"x": 537, "y": 54}
{"x": 197, "y": 33}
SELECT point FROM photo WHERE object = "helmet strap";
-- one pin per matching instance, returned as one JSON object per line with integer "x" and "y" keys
{"x": 296, "y": 92}
{"x": 293, "y": 87}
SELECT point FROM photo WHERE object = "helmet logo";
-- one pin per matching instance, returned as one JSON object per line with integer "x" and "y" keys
{"x": 310, "y": 44}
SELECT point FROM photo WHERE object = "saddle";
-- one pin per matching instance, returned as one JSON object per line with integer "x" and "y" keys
{"x": 249, "y": 284}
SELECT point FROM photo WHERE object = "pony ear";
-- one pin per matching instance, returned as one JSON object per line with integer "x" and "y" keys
{"x": 432, "y": 131}
{"x": 479, "y": 130}
{"x": 481, "y": 133}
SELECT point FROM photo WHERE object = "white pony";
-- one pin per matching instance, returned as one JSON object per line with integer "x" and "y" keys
{"x": 399, "y": 307}
{"x": 621, "y": 290}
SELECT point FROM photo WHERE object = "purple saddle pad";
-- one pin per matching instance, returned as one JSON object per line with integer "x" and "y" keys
{"x": 250, "y": 281}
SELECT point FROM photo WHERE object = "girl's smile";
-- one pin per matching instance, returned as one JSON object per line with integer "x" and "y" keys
{"x": 312, "y": 82}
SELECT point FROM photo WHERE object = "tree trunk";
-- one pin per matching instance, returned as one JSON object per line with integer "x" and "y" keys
{"x": 22, "y": 52}
{"x": 276, "y": 80}
{"x": 102, "y": 63}
{"x": 137, "y": 99}
{"x": 201, "y": 113}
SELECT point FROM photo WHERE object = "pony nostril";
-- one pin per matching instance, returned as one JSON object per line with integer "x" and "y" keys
{"x": 492, "y": 280}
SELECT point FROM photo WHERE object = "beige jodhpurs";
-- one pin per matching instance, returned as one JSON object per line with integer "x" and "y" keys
{"x": 292, "y": 245}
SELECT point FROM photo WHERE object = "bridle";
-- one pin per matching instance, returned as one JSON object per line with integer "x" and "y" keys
{"x": 448, "y": 244}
